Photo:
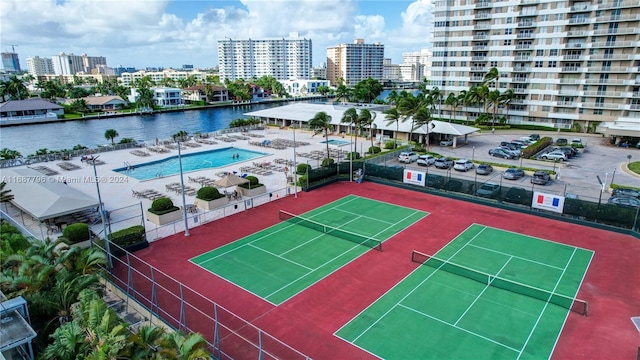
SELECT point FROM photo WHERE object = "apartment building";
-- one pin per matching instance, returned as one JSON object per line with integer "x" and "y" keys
{"x": 70, "y": 64}
{"x": 37, "y": 66}
{"x": 129, "y": 78}
{"x": 355, "y": 62}
{"x": 416, "y": 65}
{"x": 10, "y": 62}
{"x": 568, "y": 62}
{"x": 283, "y": 58}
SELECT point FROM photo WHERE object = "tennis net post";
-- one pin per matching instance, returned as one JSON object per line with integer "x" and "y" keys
{"x": 567, "y": 302}
{"x": 339, "y": 233}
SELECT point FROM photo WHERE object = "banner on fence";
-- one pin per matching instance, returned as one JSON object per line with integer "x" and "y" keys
{"x": 548, "y": 202}
{"x": 413, "y": 177}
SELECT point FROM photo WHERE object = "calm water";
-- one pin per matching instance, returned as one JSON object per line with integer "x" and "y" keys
{"x": 56, "y": 136}
{"x": 190, "y": 162}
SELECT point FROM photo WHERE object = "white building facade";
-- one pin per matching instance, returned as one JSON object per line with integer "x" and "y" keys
{"x": 284, "y": 59}
{"x": 301, "y": 87}
{"x": 70, "y": 64}
{"x": 567, "y": 62}
{"x": 37, "y": 66}
{"x": 127, "y": 78}
{"x": 355, "y": 62}
{"x": 162, "y": 96}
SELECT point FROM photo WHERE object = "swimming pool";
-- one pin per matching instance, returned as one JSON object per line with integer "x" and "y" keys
{"x": 336, "y": 142}
{"x": 190, "y": 162}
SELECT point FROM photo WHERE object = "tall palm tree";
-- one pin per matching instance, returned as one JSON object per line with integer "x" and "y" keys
{"x": 16, "y": 89}
{"x": 494, "y": 99}
{"x": 367, "y": 118}
{"x": 423, "y": 117}
{"x": 393, "y": 97}
{"x": 111, "y": 134}
{"x": 506, "y": 98}
{"x": 461, "y": 99}
{"x": 491, "y": 76}
{"x": 408, "y": 105}
{"x": 350, "y": 116}
{"x": 452, "y": 102}
{"x": 437, "y": 96}
{"x": 321, "y": 122}
{"x": 393, "y": 116}
{"x": 343, "y": 92}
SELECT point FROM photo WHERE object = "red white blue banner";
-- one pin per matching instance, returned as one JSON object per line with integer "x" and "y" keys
{"x": 548, "y": 202}
{"x": 414, "y": 177}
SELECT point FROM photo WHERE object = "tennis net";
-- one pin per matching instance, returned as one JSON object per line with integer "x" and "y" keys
{"x": 573, "y": 304}
{"x": 339, "y": 233}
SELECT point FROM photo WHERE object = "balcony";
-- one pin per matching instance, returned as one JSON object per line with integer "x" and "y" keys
{"x": 610, "y": 69}
{"x": 636, "y": 94}
{"x": 529, "y": 2}
{"x": 480, "y": 37}
{"x": 476, "y": 79}
{"x": 522, "y": 69}
{"x": 614, "y": 44}
{"x": 625, "y": 17}
{"x": 573, "y": 57}
{"x": 570, "y": 81}
{"x": 526, "y": 24}
{"x": 577, "y": 33}
{"x": 520, "y": 90}
{"x": 605, "y": 81}
{"x": 520, "y": 80}
{"x": 617, "y": 31}
{"x": 578, "y": 20}
{"x": 566, "y": 103}
{"x": 522, "y": 58}
{"x": 603, "y": 93}
{"x": 479, "y": 16}
{"x": 611, "y": 57}
{"x": 482, "y": 26}
{"x": 597, "y": 105}
{"x": 482, "y": 69}
{"x": 480, "y": 47}
{"x": 580, "y": 8}
{"x": 525, "y": 36}
{"x": 518, "y": 101}
{"x": 571, "y": 69}
{"x": 618, "y": 4}
{"x": 479, "y": 58}
{"x": 524, "y": 46}
{"x": 576, "y": 45}
{"x": 528, "y": 13}
{"x": 483, "y": 4}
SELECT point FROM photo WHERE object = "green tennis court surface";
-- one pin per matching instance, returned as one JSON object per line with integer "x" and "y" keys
{"x": 283, "y": 260}
{"x": 489, "y": 294}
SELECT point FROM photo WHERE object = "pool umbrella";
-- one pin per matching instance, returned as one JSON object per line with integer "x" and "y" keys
{"x": 230, "y": 180}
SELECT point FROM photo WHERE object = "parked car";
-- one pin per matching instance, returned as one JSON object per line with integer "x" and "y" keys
{"x": 515, "y": 153}
{"x": 407, "y": 157}
{"x": 562, "y": 142}
{"x": 463, "y": 165}
{"x": 534, "y": 137}
{"x": 521, "y": 143}
{"x": 526, "y": 139}
{"x": 540, "y": 178}
{"x": 488, "y": 190}
{"x": 626, "y": 192}
{"x": 513, "y": 174}
{"x": 555, "y": 155}
{"x": 484, "y": 169}
{"x": 426, "y": 160}
{"x": 446, "y": 142}
{"x": 498, "y": 152}
{"x": 576, "y": 142}
{"x": 518, "y": 195}
{"x": 443, "y": 163}
{"x": 626, "y": 201}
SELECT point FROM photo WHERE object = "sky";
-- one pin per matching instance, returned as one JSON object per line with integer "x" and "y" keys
{"x": 172, "y": 33}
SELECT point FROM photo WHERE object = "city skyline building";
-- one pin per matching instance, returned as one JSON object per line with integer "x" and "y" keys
{"x": 70, "y": 64}
{"x": 355, "y": 62}
{"x": 282, "y": 58}
{"x": 37, "y": 66}
{"x": 567, "y": 62}
{"x": 10, "y": 62}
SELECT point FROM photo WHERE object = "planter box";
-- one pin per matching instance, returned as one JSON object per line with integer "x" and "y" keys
{"x": 213, "y": 204}
{"x": 117, "y": 252}
{"x": 252, "y": 192}
{"x": 164, "y": 219}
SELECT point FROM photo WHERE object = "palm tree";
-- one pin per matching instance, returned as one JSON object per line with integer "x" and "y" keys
{"x": 5, "y": 195}
{"x": 321, "y": 122}
{"x": 342, "y": 92}
{"x": 177, "y": 346}
{"x": 423, "y": 117}
{"x": 393, "y": 97}
{"x": 16, "y": 89}
{"x": 367, "y": 118}
{"x": 437, "y": 95}
{"x": 506, "y": 98}
{"x": 350, "y": 116}
{"x": 461, "y": 98}
{"x": 111, "y": 134}
{"x": 452, "y": 102}
{"x": 393, "y": 116}
{"x": 408, "y": 105}
{"x": 491, "y": 76}
{"x": 9, "y": 154}
{"x": 494, "y": 98}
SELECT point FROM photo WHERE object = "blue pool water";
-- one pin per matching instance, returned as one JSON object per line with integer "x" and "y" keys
{"x": 336, "y": 142}
{"x": 190, "y": 162}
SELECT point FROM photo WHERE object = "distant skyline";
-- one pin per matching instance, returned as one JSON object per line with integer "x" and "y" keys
{"x": 172, "y": 33}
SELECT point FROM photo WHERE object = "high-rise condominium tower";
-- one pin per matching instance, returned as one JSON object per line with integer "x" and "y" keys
{"x": 565, "y": 62}
{"x": 355, "y": 62}
{"x": 284, "y": 58}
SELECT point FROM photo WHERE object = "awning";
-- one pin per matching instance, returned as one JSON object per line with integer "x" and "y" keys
{"x": 44, "y": 198}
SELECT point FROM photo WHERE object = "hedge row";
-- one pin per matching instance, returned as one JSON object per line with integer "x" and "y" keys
{"x": 536, "y": 147}
{"x": 129, "y": 236}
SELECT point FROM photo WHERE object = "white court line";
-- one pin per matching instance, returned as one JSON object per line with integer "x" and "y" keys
{"x": 546, "y": 304}
{"x": 362, "y": 216}
{"x": 482, "y": 292}
{"x": 415, "y": 288}
{"x": 516, "y": 257}
{"x": 459, "y": 328}
{"x": 278, "y": 256}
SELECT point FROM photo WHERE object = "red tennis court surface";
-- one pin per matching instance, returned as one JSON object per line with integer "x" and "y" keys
{"x": 307, "y": 321}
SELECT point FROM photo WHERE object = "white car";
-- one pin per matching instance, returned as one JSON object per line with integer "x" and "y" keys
{"x": 446, "y": 142}
{"x": 426, "y": 160}
{"x": 463, "y": 165}
{"x": 555, "y": 156}
{"x": 407, "y": 157}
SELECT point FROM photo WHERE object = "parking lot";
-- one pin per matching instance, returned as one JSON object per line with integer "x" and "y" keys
{"x": 576, "y": 176}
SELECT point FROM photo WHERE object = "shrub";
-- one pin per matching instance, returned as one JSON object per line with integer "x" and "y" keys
{"x": 252, "y": 184}
{"x": 328, "y": 162}
{"x": 76, "y": 233}
{"x": 252, "y": 180}
{"x": 128, "y": 236}
{"x": 390, "y": 145}
{"x": 374, "y": 149}
{"x": 208, "y": 193}
{"x": 302, "y": 181}
{"x": 536, "y": 147}
{"x": 162, "y": 206}
{"x": 353, "y": 155}
{"x": 302, "y": 168}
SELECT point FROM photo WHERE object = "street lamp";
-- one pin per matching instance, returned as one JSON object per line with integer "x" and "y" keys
{"x": 295, "y": 166}
{"x": 184, "y": 201}
{"x": 107, "y": 246}
{"x": 473, "y": 153}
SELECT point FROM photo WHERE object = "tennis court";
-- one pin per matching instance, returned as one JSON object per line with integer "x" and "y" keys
{"x": 279, "y": 262}
{"x": 488, "y": 294}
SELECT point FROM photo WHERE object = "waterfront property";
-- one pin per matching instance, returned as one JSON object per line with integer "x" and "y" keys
{"x": 29, "y": 111}
{"x": 190, "y": 162}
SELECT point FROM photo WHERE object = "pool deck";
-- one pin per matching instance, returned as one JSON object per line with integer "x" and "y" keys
{"x": 116, "y": 189}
